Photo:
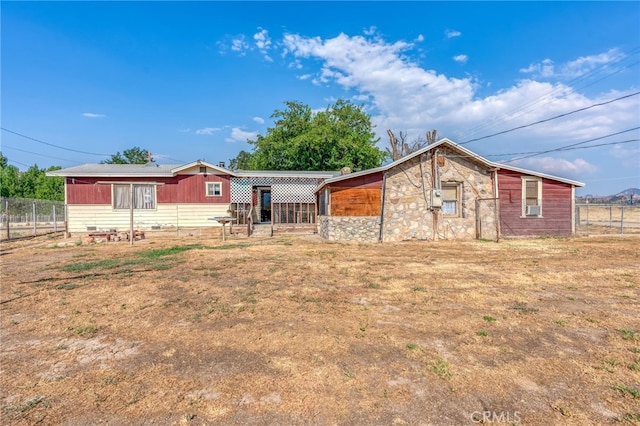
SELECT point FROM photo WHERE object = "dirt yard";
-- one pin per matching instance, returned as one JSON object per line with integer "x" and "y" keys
{"x": 293, "y": 330}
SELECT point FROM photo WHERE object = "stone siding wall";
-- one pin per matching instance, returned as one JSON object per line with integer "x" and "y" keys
{"x": 364, "y": 229}
{"x": 407, "y": 205}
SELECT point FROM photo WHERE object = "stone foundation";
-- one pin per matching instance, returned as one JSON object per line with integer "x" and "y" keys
{"x": 363, "y": 229}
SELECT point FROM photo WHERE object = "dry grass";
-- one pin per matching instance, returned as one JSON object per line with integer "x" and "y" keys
{"x": 297, "y": 331}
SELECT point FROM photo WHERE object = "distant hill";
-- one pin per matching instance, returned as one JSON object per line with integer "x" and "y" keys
{"x": 628, "y": 196}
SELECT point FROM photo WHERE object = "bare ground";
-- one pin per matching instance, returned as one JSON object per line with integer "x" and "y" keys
{"x": 293, "y": 330}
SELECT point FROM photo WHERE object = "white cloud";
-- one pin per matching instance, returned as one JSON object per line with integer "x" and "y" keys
{"x": 207, "y": 131}
{"x": 93, "y": 115}
{"x": 263, "y": 43}
{"x": 258, "y": 120}
{"x": 461, "y": 58}
{"x": 239, "y": 135}
{"x": 452, "y": 33}
{"x": 558, "y": 166}
{"x": 573, "y": 69}
{"x": 370, "y": 31}
{"x": 239, "y": 45}
{"x": 419, "y": 38}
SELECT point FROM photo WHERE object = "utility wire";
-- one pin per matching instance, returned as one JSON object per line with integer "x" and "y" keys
{"x": 53, "y": 145}
{"x": 541, "y": 99}
{"x": 42, "y": 155}
{"x": 550, "y": 119}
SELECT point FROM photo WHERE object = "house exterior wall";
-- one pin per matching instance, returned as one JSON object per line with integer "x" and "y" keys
{"x": 166, "y": 216}
{"x": 364, "y": 229}
{"x": 178, "y": 189}
{"x": 360, "y": 196}
{"x": 556, "y": 204}
{"x": 407, "y": 203}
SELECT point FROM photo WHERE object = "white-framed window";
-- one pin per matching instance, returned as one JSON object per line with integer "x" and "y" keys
{"x": 144, "y": 196}
{"x": 451, "y": 199}
{"x": 531, "y": 197}
{"x": 214, "y": 189}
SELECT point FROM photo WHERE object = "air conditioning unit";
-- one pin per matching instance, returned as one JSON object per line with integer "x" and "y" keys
{"x": 533, "y": 210}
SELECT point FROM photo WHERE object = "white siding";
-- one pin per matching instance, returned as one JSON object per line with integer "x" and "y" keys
{"x": 166, "y": 215}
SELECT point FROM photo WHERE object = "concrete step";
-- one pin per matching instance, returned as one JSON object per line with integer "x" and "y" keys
{"x": 262, "y": 231}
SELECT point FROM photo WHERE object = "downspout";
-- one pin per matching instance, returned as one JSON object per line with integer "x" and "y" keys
{"x": 384, "y": 190}
{"x": 496, "y": 195}
{"x": 573, "y": 210}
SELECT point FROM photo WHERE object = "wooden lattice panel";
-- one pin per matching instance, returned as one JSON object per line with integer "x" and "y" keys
{"x": 283, "y": 189}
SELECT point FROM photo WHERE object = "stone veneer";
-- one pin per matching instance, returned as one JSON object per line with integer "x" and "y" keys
{"x": 364, "y": 229}
{"x": 407, "y": 213}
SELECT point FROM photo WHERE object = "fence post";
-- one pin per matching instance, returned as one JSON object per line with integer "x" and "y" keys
{"x": 610, "y": 216}
{"x": 55, "y": 222}
{"x": 35, "y": 229}
{"x": 6, "y": 205}
{"x": 622, "y": 219}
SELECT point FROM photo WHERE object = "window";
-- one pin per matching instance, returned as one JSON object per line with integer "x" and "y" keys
{"x": 144, "y": 196}
{"x": 451, "y": 199}
{"x": 214, "y": 189}
{"x": 531, "y": 197}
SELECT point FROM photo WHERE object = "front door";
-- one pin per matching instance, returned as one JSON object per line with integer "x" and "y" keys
{"x": 265, "y": 205}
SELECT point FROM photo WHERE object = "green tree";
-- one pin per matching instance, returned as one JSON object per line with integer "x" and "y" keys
{"x": 340, "y": 136}
{"x": 242, "y": 161}
{"x": 50, "y": 187}
{"x": 34, "y": 183}
{"x": 135, "y": 155}
{"x": 9, "y": 179}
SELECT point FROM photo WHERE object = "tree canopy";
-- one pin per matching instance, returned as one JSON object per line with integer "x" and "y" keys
{"x": 34, "y": 183}
{"x": 135, "y": 155}
{"x": 340, "y": 136}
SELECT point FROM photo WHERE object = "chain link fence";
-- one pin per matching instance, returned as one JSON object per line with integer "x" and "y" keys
{"x": 24, "y": 217}
{"x": 597, "y": 219}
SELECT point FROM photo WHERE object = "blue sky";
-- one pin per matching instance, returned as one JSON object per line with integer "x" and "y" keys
{"x": 194, "y": 80}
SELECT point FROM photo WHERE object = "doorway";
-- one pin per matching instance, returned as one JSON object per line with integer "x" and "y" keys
{"x": 264, "y": 195}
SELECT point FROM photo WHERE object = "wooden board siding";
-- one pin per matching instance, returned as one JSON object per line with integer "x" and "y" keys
{"x": 357, "y": 201}
{"x": 178, "y": 189}
{"x": 556, "y": 207}
{"x": 165, "y": 216}
{"x": 373, "y": 180}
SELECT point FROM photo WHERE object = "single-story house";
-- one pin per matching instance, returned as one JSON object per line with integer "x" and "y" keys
{"x": 443, "y": 191}
{"x": 164, "y": 197}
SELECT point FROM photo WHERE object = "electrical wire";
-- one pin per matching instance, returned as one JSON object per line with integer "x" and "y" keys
{"x": 53, "y": 145}
{"x": 42, "y": 155}
{"x": 550, "y": 119}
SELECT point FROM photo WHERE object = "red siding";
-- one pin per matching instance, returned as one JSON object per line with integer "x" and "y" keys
{"x": 556, "y": 207}
{"x": 178, "y": 189}
{"x": 373, "y": 180}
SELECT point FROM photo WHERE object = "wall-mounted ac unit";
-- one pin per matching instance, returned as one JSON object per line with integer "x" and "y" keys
{"x": 533, "y": 210}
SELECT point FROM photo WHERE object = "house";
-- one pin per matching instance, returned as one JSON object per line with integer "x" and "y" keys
{"x": 165, "y": 197}
{"x": 444, "y": 191}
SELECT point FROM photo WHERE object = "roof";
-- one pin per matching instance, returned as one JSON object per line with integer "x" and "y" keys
{"x": 116, "y": 170}
{"x": 169, "y": 170}
{"x": 285, "y": 173}
{"x": 448, "y": 143}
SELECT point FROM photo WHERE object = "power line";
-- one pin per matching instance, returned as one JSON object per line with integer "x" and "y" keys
{"x": 564, "y": 148}
{"x": 524, "y": 107}
{"x": 53, "y": 145}
{"x": 550, "y": 119}
{"x": 42, "y": 155}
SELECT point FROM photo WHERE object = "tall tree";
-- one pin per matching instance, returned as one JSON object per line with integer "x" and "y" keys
{"x": 135, "y": 155}
{"x": 340, "y": 136}
{"x": 399, "y": 147}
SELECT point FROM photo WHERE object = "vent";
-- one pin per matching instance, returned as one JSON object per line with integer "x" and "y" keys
{"x": 91, "y": 228}
{"x": 221, "y": 164}
{"x": 533, "y": 210}
{"x": 203, "y": 169}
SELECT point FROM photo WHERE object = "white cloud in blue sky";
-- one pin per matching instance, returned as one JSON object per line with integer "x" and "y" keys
{"x": 207, "y": 131}
{"x": 452, "y": 33}
{"x": 461, "y": 58}
{"x": 93, "y": 115}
